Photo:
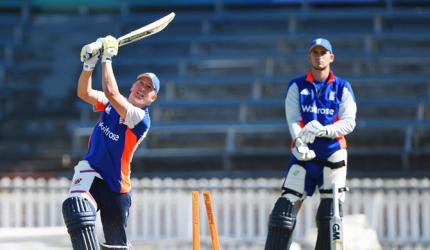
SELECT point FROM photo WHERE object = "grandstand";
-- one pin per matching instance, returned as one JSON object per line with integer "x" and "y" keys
{"x": 224, "y": 68}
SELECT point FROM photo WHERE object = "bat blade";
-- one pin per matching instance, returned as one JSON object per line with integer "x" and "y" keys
{"x": 146, "y": 30}
{"x": 336, "y": 230}
{"x": 336, "y": 234}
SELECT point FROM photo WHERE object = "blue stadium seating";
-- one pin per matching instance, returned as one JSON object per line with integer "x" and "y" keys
{"x": 224, "y": 76}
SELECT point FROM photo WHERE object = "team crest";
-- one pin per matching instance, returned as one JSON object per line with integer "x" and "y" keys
{"x": 107, "y": 109}
{"x": 331, "y": 96}
{"x": 304, "y": 92}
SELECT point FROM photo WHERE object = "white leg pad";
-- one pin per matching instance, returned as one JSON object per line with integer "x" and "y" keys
{"x": 81, "y": 183}
{"x": 337, "y": 175}
{"x": 295, "y": 180}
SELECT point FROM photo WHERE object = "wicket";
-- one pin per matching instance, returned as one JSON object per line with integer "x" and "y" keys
{"x": 211, "y": 220}
{"x": 196, "y": 221}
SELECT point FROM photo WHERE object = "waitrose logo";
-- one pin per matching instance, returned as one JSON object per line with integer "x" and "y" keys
{"x": 105, "y": 130}
{"x": 314, "y": 109}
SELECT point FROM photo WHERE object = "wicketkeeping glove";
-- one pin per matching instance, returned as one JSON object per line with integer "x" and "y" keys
{"x": 110, "y": 48}
{"x": 90, "y": 54}
{"x": 301, "y": 151}
{"x": 311, "y": 130}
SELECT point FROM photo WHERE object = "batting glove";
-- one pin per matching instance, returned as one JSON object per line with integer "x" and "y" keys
{"x": 302, "y": 152}
{"x": 90, "y": 54}
{"x": 110, "y": 48}
{"x": 311, "y": 130}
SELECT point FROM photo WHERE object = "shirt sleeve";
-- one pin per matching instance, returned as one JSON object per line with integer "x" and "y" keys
{"x": 292, "y": 110}
{"x": 347, "y": 114}
{"x": 134, "y": 115}
{"x": 102, "y": 101}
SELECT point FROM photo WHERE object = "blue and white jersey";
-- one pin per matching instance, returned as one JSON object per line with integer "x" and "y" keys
{"x": 332, "y": 103}
{"x": 113, "y": 142}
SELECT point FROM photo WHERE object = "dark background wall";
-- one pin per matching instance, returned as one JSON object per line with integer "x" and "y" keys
{"x": 224, "y": 68}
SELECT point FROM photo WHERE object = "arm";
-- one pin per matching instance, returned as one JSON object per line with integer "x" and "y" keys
{"x": 85, "y": 90}
{"x": 110, "y": 86}
{"x": 89, "y": 56}
{"x": 292, "y": 111}
{"x": 347, "y": 113}
{"x": 300, "y": 149}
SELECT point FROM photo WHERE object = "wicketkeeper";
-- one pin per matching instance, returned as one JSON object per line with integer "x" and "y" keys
{"x": 320, "y": 109}
{"x": 101, "y": 181}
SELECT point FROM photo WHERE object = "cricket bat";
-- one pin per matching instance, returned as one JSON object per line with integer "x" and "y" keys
{"x": 336, "y": 230}
{"x": 146, "y": 30}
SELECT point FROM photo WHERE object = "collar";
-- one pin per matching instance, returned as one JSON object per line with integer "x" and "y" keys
{"x": 310, "y": 77}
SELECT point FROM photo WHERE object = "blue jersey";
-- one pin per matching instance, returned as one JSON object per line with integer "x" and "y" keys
{"x": 113, "y": 142}
{"x": 332, "y": 104}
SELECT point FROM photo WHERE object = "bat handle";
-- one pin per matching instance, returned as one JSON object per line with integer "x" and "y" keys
{"x": 335, "y": 201}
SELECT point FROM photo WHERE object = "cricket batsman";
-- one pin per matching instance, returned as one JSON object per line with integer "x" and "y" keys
{"x": 101, "y": 181}
{"x": 320, "y": 110}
